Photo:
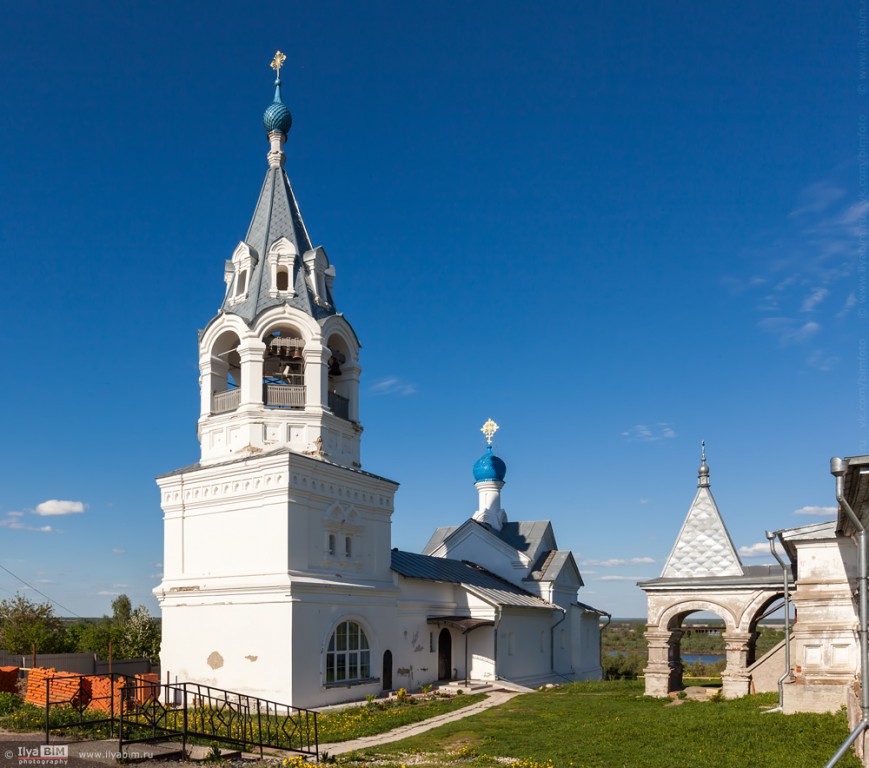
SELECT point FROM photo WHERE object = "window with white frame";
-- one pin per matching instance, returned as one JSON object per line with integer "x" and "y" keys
{"x": 348, "y": 656}
{"x": 244, "y": 259}
{"x": 281, "y": 260}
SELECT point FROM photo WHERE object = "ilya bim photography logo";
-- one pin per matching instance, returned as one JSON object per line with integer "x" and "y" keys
{"x": 37, "y": 754}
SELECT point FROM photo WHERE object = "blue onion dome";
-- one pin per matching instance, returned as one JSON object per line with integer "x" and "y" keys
{"x": 277, "y": 117}
{"x": 489, "y": 467}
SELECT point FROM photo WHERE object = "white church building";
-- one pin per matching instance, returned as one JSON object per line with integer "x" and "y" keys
{"x": 280, "y": 580}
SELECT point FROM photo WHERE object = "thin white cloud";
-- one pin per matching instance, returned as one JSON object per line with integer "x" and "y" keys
{"x": 813, "y": 299}
{"x": 108, "y": 593}
{"x": 649, "y": 433}
{"x": 850, "y": 303}
{"x": 54, "y": 507}
{"x": 621, "y": 578}
{"x": 13, "y": 522}
{"x": 788, "y": 330}
{"x": 854, "y": 215}
{"x": 615, "y": 562}
{"x": 391, "y": 385}
{"x": 119, "y": 551}
{"x": 815, "y": 511}
{"x": 810, "y": 264}
{"x": 817, "y": 198}
{"x": 761, "y": 549}
{"x": 805, "y": 332}
{"x": 821, "y": 361}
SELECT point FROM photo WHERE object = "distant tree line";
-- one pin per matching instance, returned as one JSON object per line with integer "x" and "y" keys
{"x": 27, "y": 627}
{"x": 625, "y": 650}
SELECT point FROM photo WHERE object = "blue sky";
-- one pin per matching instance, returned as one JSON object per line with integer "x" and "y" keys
{"x": 617, "y": 229}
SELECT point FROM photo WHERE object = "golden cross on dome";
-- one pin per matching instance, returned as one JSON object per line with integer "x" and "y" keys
{"x": 489, "y": 429}
{"x": 278, "y": 62}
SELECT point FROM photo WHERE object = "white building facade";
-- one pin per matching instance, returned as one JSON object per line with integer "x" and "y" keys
{"x": 279, "y": 576}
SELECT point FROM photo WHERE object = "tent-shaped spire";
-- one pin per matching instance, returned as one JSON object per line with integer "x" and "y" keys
{"x": 703, "y": 547}
{"x": 277, "y": 231}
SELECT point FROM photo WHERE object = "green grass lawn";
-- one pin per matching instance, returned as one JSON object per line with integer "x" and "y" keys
{"x": 611, "y": 725}
{"x": 354, "y": 722}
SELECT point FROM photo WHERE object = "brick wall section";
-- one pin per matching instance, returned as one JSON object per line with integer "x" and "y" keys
{"x": 9, "y": 679}
{"x": 147, "y": 686}
{"x": 93, "y": 691}
{"x": 102, "y": 694}
{"x": 63, "y": 688}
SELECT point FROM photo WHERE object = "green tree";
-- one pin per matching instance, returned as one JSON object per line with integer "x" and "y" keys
{"x": 25, "y": 625}
{"x": 140, "y": 636}
{"x": 95, "y": 636}
{"x": 121, "y": 610}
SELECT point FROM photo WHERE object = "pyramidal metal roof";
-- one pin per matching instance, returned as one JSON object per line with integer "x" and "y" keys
{"x": 704, "y": 547}
{"x": 277, "y": 215}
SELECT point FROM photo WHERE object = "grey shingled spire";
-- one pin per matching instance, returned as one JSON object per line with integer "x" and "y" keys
{"x": 703, "y": 547}
{"x": 277, "y": 216}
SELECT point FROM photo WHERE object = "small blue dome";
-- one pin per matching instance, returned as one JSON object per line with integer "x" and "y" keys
{"x": 489, "y": 467}
{"x": 277, "y": 116}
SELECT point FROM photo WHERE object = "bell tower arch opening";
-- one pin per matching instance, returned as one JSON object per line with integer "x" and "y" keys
{"x": 284, "y": 369}
{"x": 343, "y": 379}
{"x": 221, "y": 383}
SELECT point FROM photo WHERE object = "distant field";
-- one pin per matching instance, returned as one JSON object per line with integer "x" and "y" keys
{"x": 611, "y": 724}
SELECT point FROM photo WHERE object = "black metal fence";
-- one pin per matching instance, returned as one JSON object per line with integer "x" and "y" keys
{"x": 137, "y": 711}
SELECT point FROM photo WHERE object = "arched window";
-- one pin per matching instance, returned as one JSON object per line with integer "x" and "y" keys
{"x": 348, "y": 546}
{"x": 348, "y": 657}
{"x": 331, "y": 543}
{"x": 282, "y": 279}
{"x": 241, "y": 285}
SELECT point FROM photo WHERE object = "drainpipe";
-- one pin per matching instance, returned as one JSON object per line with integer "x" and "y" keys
{"x": 838, "y": 467}
{"x": 787, "y": 673}
{"x": 552, "y": 639}
{"x": 495, "y": 642}
{"x": 609, "y": 618}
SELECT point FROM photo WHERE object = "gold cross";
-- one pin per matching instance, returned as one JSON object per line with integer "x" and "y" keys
{"x": 278, "y": 62}
{"x": 489, "y": 429}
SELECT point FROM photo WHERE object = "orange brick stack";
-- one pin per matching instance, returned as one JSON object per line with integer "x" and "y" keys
{"x": 63, "y": 687}
{"x": 9, "y": 679}
{"x": 147, "y": 686}
{"x": 101, "y": 694}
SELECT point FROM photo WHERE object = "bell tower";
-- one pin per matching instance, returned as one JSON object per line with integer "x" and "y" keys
{"x": 276, "y": 537}
{"x": 278, "y": 363}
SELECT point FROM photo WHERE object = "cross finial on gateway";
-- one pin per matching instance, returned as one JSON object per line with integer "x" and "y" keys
{"x": 489, "y": 429}
{"x": 703, "y": 474}
{"x": 278, "y": 62}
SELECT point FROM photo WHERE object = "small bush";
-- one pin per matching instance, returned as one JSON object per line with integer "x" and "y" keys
{"x": 9, "y": 703}
{"x": 401, "y": 694}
